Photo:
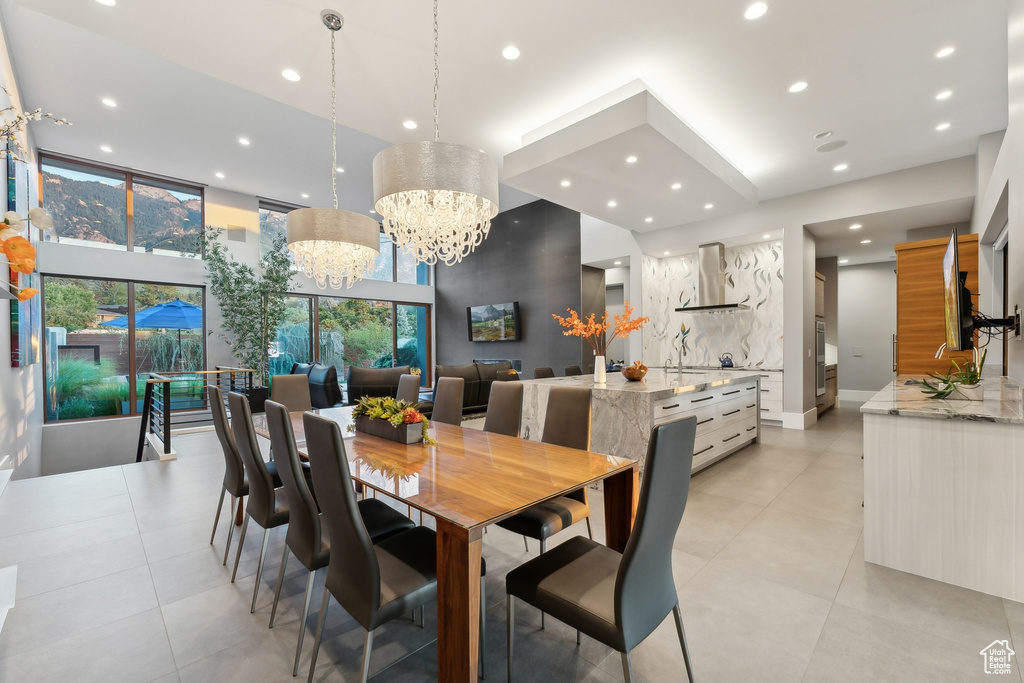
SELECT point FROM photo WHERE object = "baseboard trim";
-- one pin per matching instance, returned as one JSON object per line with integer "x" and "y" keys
{"x": 799, "y": 420}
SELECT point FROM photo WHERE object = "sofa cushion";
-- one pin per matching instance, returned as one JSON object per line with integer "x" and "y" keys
{"x": 373, "y": 382}
{"x": 324, "y": 391}
{"x": 488, "y": 375}
{"x": 302, "y": 368}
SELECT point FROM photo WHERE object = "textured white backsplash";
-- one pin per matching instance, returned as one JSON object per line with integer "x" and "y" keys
{"x": 753, "y": 337}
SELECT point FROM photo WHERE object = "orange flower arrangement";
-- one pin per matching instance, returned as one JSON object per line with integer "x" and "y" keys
{"x": 594, "y": 332}
{"x": 20, "y": 254}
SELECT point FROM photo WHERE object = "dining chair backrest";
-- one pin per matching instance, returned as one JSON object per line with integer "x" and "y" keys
{"x": 261, "y": 486}
{"x": 567, "y": 418}
{"x": 571, "y": 370}
{"x": 507, "y": 376}
{"x": 409, "y": 388}
{"x": 303, "y": 517}
{"x": 504, "y": 408}
{"x": 543, "y": 373}
{"x": 645, "y": 590}
{"x": 448, "y": 400}
{"x": 234, "y": 470}
{"x": 353, "y": 574}
{"x": 292, "y": 391}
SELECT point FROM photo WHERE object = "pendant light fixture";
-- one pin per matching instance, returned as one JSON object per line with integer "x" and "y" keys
{"x": 333, "y": 246}
{"x": 436, "y": 198}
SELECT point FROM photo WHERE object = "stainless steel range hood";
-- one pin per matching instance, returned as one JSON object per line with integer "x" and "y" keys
{"x": 711, "y": 281}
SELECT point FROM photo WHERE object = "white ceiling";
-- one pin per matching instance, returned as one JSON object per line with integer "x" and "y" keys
{"x": 191, "y": 76}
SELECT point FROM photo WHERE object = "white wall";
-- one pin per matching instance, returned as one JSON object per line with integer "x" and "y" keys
{"x": 867, "y": 321}
{"x": 601, "y": 241}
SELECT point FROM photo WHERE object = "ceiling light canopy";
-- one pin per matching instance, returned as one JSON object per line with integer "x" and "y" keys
{"x": 436, "y": 198}
{"x": 755, "y": 11}
{"x": 333, "y": 246}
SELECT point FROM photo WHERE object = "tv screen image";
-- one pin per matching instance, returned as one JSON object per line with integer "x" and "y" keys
{"x": 494, "y": 322}
{"x": 956, "y": 300}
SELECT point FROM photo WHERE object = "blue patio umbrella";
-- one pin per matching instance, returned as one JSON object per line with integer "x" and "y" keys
{"x": 171, "y": 315}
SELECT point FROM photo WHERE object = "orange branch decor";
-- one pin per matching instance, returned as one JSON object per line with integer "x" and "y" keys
{"x": 19, "y": 252}
{"x": 594, "y": 331}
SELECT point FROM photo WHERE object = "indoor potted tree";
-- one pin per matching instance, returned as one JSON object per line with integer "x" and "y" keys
{"x": 252, "y": 305}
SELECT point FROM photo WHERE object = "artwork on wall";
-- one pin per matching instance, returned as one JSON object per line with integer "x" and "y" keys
{"x": 26, "y": 316}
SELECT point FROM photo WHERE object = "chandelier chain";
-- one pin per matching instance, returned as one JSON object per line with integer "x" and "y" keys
{"x": 437, "y": 134}
{"x": 334, "y": 127}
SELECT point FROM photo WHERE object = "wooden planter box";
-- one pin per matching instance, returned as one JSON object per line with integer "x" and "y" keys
{"x": 406, "y": 433}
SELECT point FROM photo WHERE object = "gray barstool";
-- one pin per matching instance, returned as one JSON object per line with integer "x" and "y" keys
{"x": 619, "y": 599}
{"x": 307, "y": 537}
{"x": 291, "y": 391}
{"x": 448, "y": 396}
{"x": 504, "y": 408}
{"x": 543, "y": 373}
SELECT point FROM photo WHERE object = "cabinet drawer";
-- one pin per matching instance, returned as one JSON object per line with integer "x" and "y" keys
{"x": 715, "y": 445}
{"x": 736, "y": 410}
{"x": 771, "y": 409}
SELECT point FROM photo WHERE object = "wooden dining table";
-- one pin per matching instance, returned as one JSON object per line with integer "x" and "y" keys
{"x": 469, "y": 480}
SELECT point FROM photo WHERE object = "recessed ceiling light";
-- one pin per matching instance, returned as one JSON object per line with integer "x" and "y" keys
{"x": 340, "y": 169}
{"x": 612, "y": 204}
{"x": 709, "y": 206}
{"x": 566, "y": 183}
{"x": 106, "y": 148}
{"x": 618, "y": 263}
{"x": 823, "y": 134}
{"x": 844, "y": 260}
{"x": 676, "y": 186}
{"x": 219, "y": 174}
{"x": 305, "y": 196}
{"x": 856, "y": 226}
{"x": 243, "y": 141}
{"x": 767, "y": 237}
{"x": 942, "y": 126}
{"x": 109, "y": 102}
{"x": 631, "y": 160}
{"x": 107, "y": 3}
{"x": 649, "y": 219}
{"x": 830, "y": 146}
{"x": 799, "y": 86}
{"x": 291, "y": 75}
{"x": 755, "y": 11}
{"x": 511, "y": 52}
{"x": 666, "y": 253}
{"x": 945, "y": 52}
{"x": 409, "y": 124}
{"x": 840, "y": 167}
{"x": 944, "y": 95}
{"x": 865, "y": 241}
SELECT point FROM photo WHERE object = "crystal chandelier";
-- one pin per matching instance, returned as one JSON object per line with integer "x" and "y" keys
{"x": 436, "y": 198}
{"x": 333, "y": 246}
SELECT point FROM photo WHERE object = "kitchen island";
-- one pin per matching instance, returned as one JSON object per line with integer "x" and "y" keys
{"x": 726, "y": 405}
{"x": 944, "y": 486}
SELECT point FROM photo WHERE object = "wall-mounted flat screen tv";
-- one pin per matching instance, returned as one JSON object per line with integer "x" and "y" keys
{"x": 956, "y": 300}
{"x": 494, "y": 322}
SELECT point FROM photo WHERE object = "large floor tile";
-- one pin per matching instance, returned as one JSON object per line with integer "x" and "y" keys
{"x": 66, "y": 567}
{"x": 24, "y": 519}
{"x": 831, "y": 489}
{"x": 711, "y": 521}
{"x": 76, "y": 486}
{"x": 131, "y": 649}
{"x": 186, "y": 537}
{"x": 23, "y": 547}
{"x": 49, "y": 617}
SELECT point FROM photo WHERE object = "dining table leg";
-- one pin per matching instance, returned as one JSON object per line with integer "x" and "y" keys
{"x": 458, "y": 602}
{"x": 621, "y": 493}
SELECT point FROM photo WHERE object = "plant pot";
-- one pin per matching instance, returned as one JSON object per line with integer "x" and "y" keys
{"x": 404, "y": 433}
{"x": 968, "y": 392}
{"x": 600, "y": 370}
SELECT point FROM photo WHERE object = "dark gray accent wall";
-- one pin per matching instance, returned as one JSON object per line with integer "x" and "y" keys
{"x": 532, "y": 255}
{"x": 593, "y": 303}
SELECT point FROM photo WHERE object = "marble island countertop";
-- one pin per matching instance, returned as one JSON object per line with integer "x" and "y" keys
{"x": 657, "y": 383}
{"x": 1003, "y": 402}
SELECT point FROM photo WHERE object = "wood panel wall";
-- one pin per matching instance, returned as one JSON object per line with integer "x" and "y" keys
{"x": 920, "y": 328}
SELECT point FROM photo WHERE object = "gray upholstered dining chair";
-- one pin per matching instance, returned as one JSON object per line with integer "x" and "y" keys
{"x": 448, "y": 397}
{"x": 543, "y": 373}
{"x": 235, "y": 482}
{"x": 409, "y": 388}
{"x": 504, "y": 408}
{"x": 307, "y": 538}
{"x": 373, "y": 583}
{"x": 291, "y": 391}
{"x": 571, "y": 370}
{"x": 623, "y": 597}
{"x": 566, "y": 423}
{"x": 267, "y": 505}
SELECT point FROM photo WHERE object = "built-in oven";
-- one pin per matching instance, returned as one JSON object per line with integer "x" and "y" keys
{"x": 819, "y": 368}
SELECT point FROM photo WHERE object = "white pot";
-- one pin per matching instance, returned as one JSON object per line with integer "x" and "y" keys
{"x": 968, "y": 392}
{"x": 600, "y": 372}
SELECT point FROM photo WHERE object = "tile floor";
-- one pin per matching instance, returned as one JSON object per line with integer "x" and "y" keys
{"x": 117, "y": 581}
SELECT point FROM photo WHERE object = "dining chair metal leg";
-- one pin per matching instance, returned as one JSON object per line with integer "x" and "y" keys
{"x": 280, "y": 580}
{"x": 365, "y": 667}
{"x": 423, "y": 621}
{"x": 590, "y": 529}
{"x": 682, "y": 641}
{"x": 510, "y": 628}
{"x": 241, "y": 542}
{"x": 231, "y": 526}
{"x": 525, "y": 544}
{"x": 577, "y": 637}
{"x": 302, "y": 624}
{"x": 627, "y": 670}
{"x": 543, "y": 549}
{"x": 483, "y": 629}
{"x": 259, "y": 569}
{"x": 319, "y": 633}
{"x": 216, "y": 517}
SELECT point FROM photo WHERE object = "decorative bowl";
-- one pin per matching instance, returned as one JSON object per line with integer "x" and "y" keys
{"x": 635, "y": 372}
